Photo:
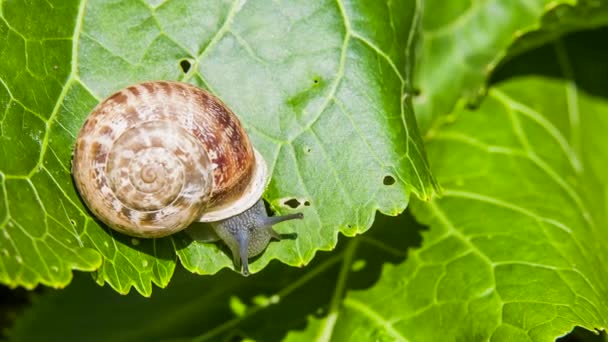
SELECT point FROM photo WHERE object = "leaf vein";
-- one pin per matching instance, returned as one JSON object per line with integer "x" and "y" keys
{"x": 374, "y": 317}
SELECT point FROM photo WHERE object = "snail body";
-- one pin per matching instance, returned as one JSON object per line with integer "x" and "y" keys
{"x": 157, "y": 156}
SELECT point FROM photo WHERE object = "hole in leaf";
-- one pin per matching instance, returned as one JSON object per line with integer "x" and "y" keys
{"x": 307, "y": 204}
{"x": 73, "y": 222}
{"x": 471, "y": 106}
{"x": 185, "y": 65}
{"x": 293, "y": 203}
{"x": 307, "y": 149}
{"x": 475, "y": 101}
{"x": 388, "y": 180}
{"x": 416, "y": 92}
{"x": 316, "y": 80}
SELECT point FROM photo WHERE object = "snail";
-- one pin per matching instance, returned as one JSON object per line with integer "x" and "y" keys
{"x": 155, "y": 157}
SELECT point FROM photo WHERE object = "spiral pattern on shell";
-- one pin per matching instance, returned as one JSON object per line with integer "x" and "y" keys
{"x": 151, "y": 158}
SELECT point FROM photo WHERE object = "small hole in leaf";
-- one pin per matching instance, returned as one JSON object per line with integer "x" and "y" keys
{"x": 73, "y": 222}
{"x": 416, "y": 92}
{"x": 293, "y": 203}
{"x": 307, "y": 149}
{"x": 388, "y": 180}
{"x": 471, "y": 106}
{"x": 307, "y": 204}
{"x": 185, "y": 65}
{"x": 315, "y": 80}
{"x": 475, "y": 102}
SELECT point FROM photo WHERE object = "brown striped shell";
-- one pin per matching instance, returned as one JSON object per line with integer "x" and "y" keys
{"x": 157, "y": 156}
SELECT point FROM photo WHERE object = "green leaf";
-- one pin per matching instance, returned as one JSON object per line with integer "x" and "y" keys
{"x": 320, "y": 87}
{"x": 516, "y": 245}
{"x": 515, "y": 250}
{"x": 225, "y": 307}
{"x": 464, "y": 41}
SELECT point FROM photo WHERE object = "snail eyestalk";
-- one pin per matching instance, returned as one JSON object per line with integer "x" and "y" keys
{"x": 271, "y": 221}
{"x": 247, "y": 234}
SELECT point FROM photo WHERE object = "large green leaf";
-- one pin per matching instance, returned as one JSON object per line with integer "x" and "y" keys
{"x": 516, "y": 248}
{"x": 320, "y": 86}
{"x": 464, "y": 41}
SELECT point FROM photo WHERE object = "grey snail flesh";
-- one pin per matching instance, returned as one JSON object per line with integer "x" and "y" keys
{"x": 156, "y": 156}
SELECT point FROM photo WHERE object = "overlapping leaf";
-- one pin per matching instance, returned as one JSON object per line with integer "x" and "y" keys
{"x": 319, "y": 85}
{"x": 464, "y": 41}
{"x": 516, "y": 244}
{"x": 515, "y": 248}
{"x": 587, "y": 14}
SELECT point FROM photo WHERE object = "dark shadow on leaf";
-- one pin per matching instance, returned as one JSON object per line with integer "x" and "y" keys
{"x": 12, "y": 303}
{"x": 588, "y": 64}
{"x": 579, "y": 334}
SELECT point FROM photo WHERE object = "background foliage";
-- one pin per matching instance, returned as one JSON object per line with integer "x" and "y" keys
{"x": 511, "y": 250}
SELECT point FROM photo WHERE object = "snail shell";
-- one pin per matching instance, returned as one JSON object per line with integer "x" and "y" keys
{"x": 157, "y": 156}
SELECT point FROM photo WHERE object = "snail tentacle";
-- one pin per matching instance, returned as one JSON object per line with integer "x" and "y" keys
{"x": 248, "y": 233}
